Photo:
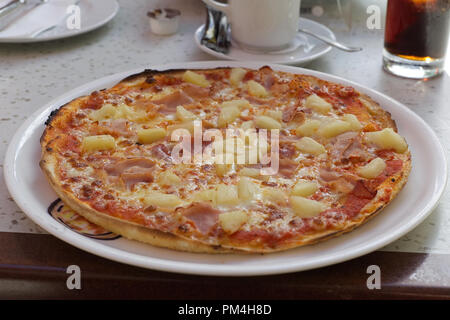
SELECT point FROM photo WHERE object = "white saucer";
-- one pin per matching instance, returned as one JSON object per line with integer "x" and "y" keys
{"x": 93, "y": 15}
{"x": 304, "y": 49}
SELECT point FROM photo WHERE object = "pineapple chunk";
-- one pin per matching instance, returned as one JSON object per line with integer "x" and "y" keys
{"x": 163, "y": 200}
{"x": 222, "y": 169}
{"x": 250, "y": 172}
{"x": 275, "y": 114}
{"x": 196, "y": 78}
{"x": 373, "y": 169}
{"x": 306, "y": 208}
{"x": 308, "y": 128}
{"x": 236, "y": 76}
{"x": 125, "y": 112}
{"x": 146, "y": 136}
{"x": 167, "y": 178}
{"x": 355, "y": 125}
{"x": 256, "y": 89}
{"x": 227, "y": 115}
{"x": 304, "y": 188}
{"x": 240, "y": 103}
{"x": 122, "y": 111}
{"x": 387, "y": 139}
{"x": 246, "y": 189}
{"x": 247, "y": 125}
{"x": 185, "y": 115}
{"x": 205, "y": 195}
{"x": 334, "y": 128}
{"x": 371, "y": 108}
{"x": 274, "y": 195}
{"x": 265, "y": 122}
{"x": 227, "y": 195}
{"x": 189, "y": 126}
{"x": 309, "y": 145}
{"x": 231, "y": 221}
{"x": 98, "y": 143}
{"x": 317, "y": 104}
{"x": 108, "y": 111}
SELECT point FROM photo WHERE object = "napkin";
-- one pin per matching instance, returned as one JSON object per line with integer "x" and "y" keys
{"x": 40, "y": 17}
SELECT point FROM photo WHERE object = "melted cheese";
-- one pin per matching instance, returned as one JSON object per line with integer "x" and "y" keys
{"x": 245, "y": 198}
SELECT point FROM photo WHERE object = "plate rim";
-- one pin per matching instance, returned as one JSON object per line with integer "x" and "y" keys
{"x": 123, "y": 256}
{"x": 66, "y": 34}
{"x": 216, "y": 54}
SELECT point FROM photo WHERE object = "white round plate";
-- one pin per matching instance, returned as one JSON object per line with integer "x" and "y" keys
{"x": 310, "y": 49}
{"x": 33, "y": 194}
{"x": 93, "y": 15}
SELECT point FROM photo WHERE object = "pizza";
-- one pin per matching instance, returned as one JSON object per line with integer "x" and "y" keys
{"x": 226, "y": 159}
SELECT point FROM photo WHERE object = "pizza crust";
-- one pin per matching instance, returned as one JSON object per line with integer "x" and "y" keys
{"x": 167, "y": 240}
{"x": 126, "y": 229}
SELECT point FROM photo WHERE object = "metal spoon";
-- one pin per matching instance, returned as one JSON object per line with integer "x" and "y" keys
{"x": 331, "y": 42}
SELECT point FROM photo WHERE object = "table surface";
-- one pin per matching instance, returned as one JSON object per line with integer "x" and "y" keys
{"x": 32, "y": 263}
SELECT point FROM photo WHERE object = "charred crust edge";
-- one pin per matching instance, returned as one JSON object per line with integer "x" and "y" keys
{"x": 52, "y": 115}
{"x": 149, "y": 73}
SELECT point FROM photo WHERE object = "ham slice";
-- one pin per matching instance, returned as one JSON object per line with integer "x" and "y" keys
{"x": 328, "y": 175}
{"x": 287, "y": 167}
{"x": 343, "y": 183}
{"x": 130, "y": 179}
{"x": 203, "y": 215}
{"x": 186, "y": 95}
{"x": 117, "y": 168}
{"x": 346, "y": 147}
{"x": 195, "y": 92}
{"x": 268, "y": 81}
{"x": 121, "y": 126}
{"x": 171, "y": 101}
{"x": 287, "y": 150}
{"x": 115, "y": 128}
{"x": 267, "y": 77}
{"x": 357, "y": 199}
{"x": 362, "y": 192}
{"x": 260, "y": 101}
{"x": 161, "y": 151}
{"x": 365, "y": 191}
{"x": 292, "y": 113}
{"x": 131, "y": 171}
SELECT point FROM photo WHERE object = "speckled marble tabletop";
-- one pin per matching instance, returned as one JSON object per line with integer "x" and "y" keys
{"x": 33, "y": 74}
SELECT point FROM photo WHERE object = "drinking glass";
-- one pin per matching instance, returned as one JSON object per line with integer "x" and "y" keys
{"x": 416, "y": 37}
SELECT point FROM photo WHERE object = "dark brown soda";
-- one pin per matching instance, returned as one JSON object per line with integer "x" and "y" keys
{"x": 417, "y": 29}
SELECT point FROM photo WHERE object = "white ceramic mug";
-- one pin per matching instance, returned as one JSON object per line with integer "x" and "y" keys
{"x": 265, "y": 25}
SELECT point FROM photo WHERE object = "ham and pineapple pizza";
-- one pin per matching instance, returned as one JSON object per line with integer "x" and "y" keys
{"x": 110, "y": 157}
